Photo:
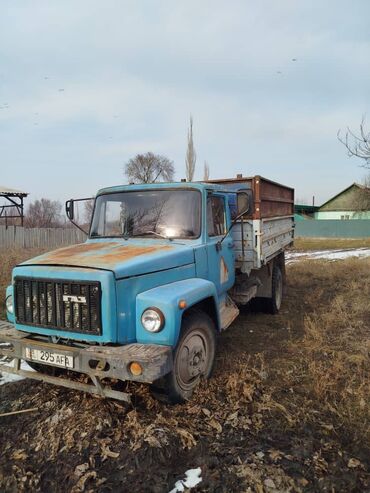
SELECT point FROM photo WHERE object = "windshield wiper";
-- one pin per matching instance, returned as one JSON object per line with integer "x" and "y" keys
{"x": 156, "y": 234}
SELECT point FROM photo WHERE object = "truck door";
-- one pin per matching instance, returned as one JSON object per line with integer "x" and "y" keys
{"x": 220, "y": 256}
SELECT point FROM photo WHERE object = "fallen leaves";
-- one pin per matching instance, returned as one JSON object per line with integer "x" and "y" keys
{"x": 81, "y": 469}
{"x": 269, "y": 479}
{"x": 187, "y": 439}
{"x": 106, "y": 452}
{"x": 215, "y": 425}
{"x": 79, "y": 487}
{"x": 354, "y": 463}
{"x": 19, "y": 455}
{"x": 275, "y": 455}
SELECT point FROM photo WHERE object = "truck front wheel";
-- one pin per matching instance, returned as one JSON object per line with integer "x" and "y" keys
{"x": 193, "y": 356}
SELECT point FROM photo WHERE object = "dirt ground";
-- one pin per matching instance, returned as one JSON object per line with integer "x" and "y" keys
{"x": 287, "y": 409}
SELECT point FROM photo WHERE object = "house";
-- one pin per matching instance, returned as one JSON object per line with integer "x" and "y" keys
{"x": 351, "y": 203}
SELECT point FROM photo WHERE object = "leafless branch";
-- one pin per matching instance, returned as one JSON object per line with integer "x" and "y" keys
{"x": 357, "y": 145}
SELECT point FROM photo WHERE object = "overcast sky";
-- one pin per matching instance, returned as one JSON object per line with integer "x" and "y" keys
{"x": 85, "y": 85}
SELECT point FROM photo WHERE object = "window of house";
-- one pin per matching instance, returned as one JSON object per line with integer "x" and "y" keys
{"x": 216, "y": 218}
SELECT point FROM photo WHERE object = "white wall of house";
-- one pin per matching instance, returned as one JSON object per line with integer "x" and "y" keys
{"x": 345, "y": 215}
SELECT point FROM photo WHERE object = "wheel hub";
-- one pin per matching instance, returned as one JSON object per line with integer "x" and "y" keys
{"x": 196, "y": 362}
{"x": 192, "y": 361}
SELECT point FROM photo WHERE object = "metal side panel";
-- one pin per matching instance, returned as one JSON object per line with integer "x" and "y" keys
{"x": 276, "y": 234}
{"x": 258, "y": 241}
{"x": 244, "y": 246}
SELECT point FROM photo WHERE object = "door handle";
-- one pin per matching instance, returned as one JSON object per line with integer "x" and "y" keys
{"x": 230, "y": 244}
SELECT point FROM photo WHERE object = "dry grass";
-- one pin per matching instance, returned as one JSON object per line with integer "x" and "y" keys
{"x": 329, "y": 243}
{"x": 328, "y": 368}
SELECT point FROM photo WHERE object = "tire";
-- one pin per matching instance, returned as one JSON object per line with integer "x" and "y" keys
{"x": 273, "y": 304}
{"x": 193, "y": 357}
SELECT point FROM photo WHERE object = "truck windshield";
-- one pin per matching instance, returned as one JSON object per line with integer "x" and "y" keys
{"x": 156, "y": 213}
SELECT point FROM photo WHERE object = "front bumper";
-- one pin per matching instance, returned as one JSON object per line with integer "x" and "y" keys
{"x": 98, "y": 362}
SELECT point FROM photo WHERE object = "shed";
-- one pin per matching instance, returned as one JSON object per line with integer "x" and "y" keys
{"x": 351, "y": 203}
{"x": 11, "y": 205}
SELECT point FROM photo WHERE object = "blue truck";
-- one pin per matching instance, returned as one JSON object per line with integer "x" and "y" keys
{"x": 164, "y": 270}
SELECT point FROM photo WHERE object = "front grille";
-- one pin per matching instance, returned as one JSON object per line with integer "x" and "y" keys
{"x": 70, "y": 306}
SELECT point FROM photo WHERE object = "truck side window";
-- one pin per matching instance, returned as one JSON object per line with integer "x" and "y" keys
{"x": 216, "y": 221}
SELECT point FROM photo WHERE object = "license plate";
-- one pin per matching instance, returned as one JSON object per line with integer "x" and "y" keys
{"x": 49, "y": 357}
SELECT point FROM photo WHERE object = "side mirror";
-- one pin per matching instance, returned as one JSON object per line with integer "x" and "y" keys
{"x": 242, "y": 202}
{"x": 244, "y": 205}
{"x": 70, "y": 209}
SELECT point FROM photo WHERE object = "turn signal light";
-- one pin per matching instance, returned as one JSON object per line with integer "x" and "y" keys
{"x": 136, "y": 369}
{"x": 182, "y": 304}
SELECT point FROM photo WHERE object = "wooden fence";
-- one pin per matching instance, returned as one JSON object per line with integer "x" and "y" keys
{"x": 18, "y": 237}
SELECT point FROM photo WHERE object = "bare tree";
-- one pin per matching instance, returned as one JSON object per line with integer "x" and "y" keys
{"x": 89, "y": 207}
{"x": 10, "y": 215}
{"x": 206, "y": 171}
{"x": 149, "y": 168}
{"x": 191, "y": 155}
{"x": 357, "y": 144}
{"x": 44, "y": 213}
{"x": 362, "y": 201}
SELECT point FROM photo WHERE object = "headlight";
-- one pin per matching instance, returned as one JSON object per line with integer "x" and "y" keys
{"x": 152, "y": 320}
{"x": 9, "y": 304}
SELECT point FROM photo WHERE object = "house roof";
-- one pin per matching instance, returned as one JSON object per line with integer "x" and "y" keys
{"x": 305, "y": 208}
{"x": 12, "y": 191}
{"x": 357, "y": 185}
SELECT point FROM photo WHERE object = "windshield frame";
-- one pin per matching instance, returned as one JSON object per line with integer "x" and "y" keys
{"x": 173, "y": 189}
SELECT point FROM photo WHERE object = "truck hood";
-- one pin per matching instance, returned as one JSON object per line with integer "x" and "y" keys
{"x": 124, "y": 258}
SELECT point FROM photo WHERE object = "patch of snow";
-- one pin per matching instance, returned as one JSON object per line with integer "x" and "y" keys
{"x": 11, "y": 377}
{"x": 292, "y": 257}
{"x": 193, "y": 477}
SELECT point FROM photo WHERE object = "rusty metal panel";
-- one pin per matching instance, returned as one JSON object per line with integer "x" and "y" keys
{"x": 276, "y": 200}
{"x": 100, "y": 254}
{"x": 271, "y": 199}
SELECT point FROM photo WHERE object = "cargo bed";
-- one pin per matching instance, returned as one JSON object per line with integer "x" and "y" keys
{"x": 268, "y": 229}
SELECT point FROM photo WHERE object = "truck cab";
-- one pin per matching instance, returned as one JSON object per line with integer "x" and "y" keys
{"x": 161, "y": 273}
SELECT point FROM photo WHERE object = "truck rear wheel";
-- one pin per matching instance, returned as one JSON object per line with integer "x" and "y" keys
{"x": 193, "y": 356}
{"x": 273, "y": 304}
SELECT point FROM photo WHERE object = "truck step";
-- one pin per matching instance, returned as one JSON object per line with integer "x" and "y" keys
{"x": 228, "y": 313}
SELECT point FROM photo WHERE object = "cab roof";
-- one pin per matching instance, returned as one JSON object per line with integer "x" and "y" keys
{"x": 178, "y": 185}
